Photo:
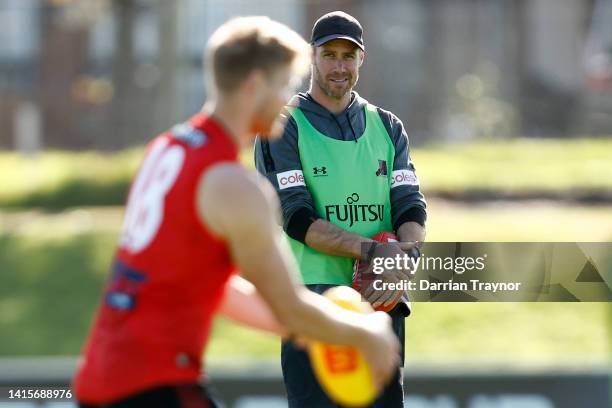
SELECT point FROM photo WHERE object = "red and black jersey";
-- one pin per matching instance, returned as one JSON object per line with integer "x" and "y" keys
{"x": 168, "y": 276}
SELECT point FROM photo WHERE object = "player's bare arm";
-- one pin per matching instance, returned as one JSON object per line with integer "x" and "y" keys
{"x": 242, "y": 208}
{"x": 241, "y": 295}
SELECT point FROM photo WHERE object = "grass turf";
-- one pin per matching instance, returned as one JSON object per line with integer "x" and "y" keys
{"x": 517, "y": 165}
{"x": 508, "y": 167}
{"x": 53, "y": 266}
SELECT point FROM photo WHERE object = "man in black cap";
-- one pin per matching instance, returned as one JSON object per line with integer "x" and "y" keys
{"x": 343, "y": 173}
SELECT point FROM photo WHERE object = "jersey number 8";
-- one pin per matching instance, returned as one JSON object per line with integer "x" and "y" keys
{"x": 145, "y": 207}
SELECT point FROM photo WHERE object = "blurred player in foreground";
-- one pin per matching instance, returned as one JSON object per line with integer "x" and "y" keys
{"x": 194, "y": 216}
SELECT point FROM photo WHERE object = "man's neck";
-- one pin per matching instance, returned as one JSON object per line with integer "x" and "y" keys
{"x": 333, "y": 105}
{"x": 232, "y": 118}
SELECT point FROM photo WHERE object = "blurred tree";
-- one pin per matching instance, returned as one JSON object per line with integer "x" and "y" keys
{"x": 123, "y": 71}
{"x": 63, "y": 56}
{"x": 167, "y": 107}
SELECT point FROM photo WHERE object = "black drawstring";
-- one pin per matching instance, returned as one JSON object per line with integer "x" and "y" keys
{"x": 334, "y": 117}
{"x": 351, "y": 126}
{"x": 337, "y": 123}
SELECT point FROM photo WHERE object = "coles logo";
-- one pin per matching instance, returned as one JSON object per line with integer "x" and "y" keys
{"x": 291, "y": 178}
{"x": 404, "y": 177}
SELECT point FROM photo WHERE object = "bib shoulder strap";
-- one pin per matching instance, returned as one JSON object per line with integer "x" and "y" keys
{"x": 376, "y": 113}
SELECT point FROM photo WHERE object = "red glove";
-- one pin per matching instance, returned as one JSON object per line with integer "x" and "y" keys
{"x": 361, "y": 266}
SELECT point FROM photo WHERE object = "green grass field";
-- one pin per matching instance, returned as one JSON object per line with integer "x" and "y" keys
{"x": 517, "y": 165}
{"x": 63, "y": 179}
{"x": 508, "y": 167}
{"x": 53, "y": 266}
{"x": 54, "y": 253}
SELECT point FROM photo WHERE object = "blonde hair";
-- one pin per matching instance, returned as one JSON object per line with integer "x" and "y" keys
{"x": 244, "y": 44}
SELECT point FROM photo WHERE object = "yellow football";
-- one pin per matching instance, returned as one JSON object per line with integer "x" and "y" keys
{"x": 342, "y": 370}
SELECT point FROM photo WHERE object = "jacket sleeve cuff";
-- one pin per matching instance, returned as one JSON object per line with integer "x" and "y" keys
{"x": 298, "y": 224}
{"x": 413, "y": 214}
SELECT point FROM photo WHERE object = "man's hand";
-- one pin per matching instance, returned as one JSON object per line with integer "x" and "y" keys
{"x": 380, "y": 348}
{"x": 411, "y": 235}
{"x": 390, "y": 276}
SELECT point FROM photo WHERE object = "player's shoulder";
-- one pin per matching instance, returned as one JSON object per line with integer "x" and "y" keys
{"x": 205, "y": 143}
{"x": 202, "y": 133}
{"x": 388, "y": 116}
{"x": 189, "y": 134}
{"x": 231, "y": 198}
{"x": 393, "y": 125}
{"x": 233, "y": 184}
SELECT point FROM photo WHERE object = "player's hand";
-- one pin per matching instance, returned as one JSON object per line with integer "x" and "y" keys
{"x": 393, "y": 276}
{"x": 380, "y": 348}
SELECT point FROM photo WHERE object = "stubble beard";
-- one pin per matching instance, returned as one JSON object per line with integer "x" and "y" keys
{"x": 327, "y": 90}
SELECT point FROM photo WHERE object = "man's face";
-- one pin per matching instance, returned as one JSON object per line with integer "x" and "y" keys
{"x": 336, "y": 67}
{"x": 278, "y": 89}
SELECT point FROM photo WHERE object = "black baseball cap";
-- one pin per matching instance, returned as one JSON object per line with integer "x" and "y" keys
{"x": 337, "y": 25}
